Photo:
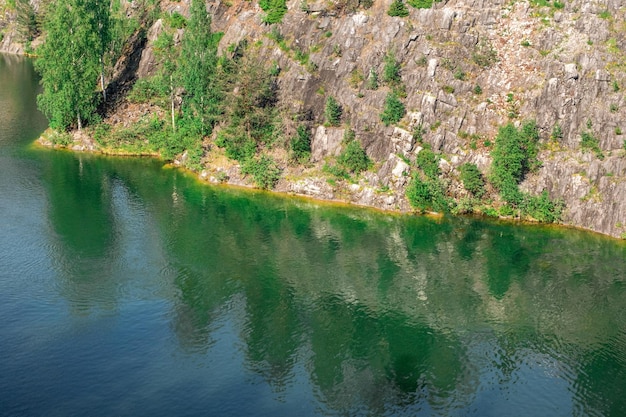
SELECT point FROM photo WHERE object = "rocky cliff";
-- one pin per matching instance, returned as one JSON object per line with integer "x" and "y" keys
{"x": 467, "y": 67}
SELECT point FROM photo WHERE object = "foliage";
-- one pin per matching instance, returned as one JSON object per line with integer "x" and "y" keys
{"x": 353, "y": 158}
{"x": 250, "y": 117}
{"x": 391, "y": 70}
{"x": 428, "y": 162}
{"x": 426, "y": 191}
{"x": 264, "y": 170}
{"x": 197, "y": 72}
{"x": 514, "y": 155}
{"x": 590, "y": 142}
{"x": 28, "y": 24}
{"x": 542, "y": 208}
{"x": 69, "y": 61}
{"x": 557, "y": 132}
{"x": 333, "y": 111}
{"x": 147, "y": 90}
{"x": 397, "y": 8}
{"x": 426, "y": 195}
{"x": 274, "y": 9}
{"x": 477, "y": 89}
{"x": 394, "y": 110}
{"x": 301, "y": 144}
{"x": 473, "y": 180}
{"x": 422, "y": 4}
{"x": 175, "y": 20}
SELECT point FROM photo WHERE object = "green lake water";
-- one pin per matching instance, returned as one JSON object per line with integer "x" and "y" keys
{"x": 129, "y": 289}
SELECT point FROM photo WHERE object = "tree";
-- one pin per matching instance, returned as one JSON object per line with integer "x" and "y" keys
{"x": 198, "y": 71}
{"x": 69, "y": 63}
{"x": 398, "y": 8}
{"x": 165, "y": 51}
{"x": 394, "y": 110}
{"x": 333, "y": 111}
{"x": 102, "y": 17}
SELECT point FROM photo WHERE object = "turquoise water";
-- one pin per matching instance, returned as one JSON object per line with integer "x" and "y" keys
{"x": 128, "y": 289}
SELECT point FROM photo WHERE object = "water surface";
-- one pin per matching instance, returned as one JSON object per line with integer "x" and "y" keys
{"x": 127, "y": 288}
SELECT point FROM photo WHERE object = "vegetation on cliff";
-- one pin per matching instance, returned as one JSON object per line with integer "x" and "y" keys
{"x": 444, "y": 87}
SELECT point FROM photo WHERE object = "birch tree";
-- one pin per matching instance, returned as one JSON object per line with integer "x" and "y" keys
{"x": 69, "y": 63}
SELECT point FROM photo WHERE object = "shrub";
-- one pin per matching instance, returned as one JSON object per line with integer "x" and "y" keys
{"x": 356, "y": 78}
{"x": 426, "y": 195}
{"x": 394, "y": 110}
{"x": 473, "y": 180}
{"x": 175, "y": 20}
{"x": 397, "y": 8}
{"x": 428, "y": 162}
{"x": 422, "y": 4}
{"x": 147, "y": 89}
{"x": 514, "y": 154}
{"x": 264, "y": 171}
{"x": 391, "y": 70}
{"x": 477, "y": 90}
{"x": 459, "y": 74}
{"x": 557, "y": 132}
{"x": 301, "y": 144}
{"x": 542, "y": 208}
{"x": 448, "y": 89}
{"x": 353, "y": 158}
{"x": 333, "y": 111}
{"x": 237, "y": 146}
{"x": 590, "y": 142}
{"x": 274, "y": 9}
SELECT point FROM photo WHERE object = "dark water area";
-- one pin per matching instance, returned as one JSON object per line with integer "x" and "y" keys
{"x": 129, "y": 289}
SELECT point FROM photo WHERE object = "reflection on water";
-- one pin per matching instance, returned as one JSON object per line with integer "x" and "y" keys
{"x": 137, "y": 291}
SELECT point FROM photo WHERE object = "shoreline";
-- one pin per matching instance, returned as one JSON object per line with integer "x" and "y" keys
{"x": 204, "y": 178}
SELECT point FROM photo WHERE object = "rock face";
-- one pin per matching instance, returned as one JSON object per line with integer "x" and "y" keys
{"x": 467, "y": 67}
{"x": 562, "y": 67}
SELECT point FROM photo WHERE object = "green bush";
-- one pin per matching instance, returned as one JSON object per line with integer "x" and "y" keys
{"x": 514, "y": 155}
{"x": 391, "y": 70}
{"x": 473, "y": 180}
{"x": 422, "y": 4}
{"x": 333, "y": 111}
{"x": 426, "y": 195}
{"x": 238, "y": 146}
{"x": 394, "y": 110}
{"x": 428, "y": 162}
{"x": 354, "y": 158}
{"x": 478, "y": 90}
{"x": 301, "y": 144}
{"x": 557, "y": 132}
{"x": 397, "y": 8}
{"x": 542, "y": 208}
{"x": 590, "y": 142}
{"x": 148, "y": 89}
{"x": 274, "y": 9}
{"x": 264, "y": 171}
{"x": 175, "y": 20}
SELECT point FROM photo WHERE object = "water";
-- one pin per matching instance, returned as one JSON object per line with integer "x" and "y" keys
{"x": 129, "y": 289}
